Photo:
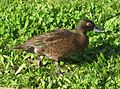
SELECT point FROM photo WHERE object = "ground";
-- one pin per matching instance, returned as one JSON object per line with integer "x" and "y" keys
{"x": 98, "y": 67}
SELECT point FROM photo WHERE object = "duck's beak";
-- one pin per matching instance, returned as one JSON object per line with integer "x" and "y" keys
{"x": 97, "y": 30}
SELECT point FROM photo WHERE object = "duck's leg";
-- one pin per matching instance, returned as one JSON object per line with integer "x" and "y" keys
{"x": 40, "y": 60}
{"x": 57, "y": 63}
{"x": 57, "y": 66}
{"x": 37, "y": 51}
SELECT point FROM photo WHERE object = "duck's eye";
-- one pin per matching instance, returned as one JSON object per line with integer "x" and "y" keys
{"x": 88, "y": 24}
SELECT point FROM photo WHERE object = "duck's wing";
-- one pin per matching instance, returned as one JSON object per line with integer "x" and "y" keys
{"x": 42, "y": 40}
{"x": 53, "y": 35}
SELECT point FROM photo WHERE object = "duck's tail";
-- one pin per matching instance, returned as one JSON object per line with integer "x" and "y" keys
{"x": 30, "y": 48}
{"x": 19, "y": 47}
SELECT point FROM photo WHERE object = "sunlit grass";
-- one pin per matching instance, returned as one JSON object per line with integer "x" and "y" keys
{"x": 98, "y": 67}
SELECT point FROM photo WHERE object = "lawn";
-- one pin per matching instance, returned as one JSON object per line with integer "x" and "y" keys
{"x": 98, "y": 67}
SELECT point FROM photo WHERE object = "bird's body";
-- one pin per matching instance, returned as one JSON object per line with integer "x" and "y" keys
{"x": 61, "y": 42}
{"x": 56, "y": 44}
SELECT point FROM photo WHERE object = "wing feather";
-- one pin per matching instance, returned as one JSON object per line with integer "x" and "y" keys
{"x": 43, "y": 40}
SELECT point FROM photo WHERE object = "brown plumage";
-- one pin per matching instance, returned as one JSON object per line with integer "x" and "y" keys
{"x": 61, "y": 42}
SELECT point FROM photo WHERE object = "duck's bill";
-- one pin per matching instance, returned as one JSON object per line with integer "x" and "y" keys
{"x": 97, "y": 30}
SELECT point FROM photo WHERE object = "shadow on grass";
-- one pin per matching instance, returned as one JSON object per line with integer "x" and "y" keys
{"x": 90, "y": 55}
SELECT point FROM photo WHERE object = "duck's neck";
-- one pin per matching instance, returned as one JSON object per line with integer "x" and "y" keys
{"x": 80, "y": 31}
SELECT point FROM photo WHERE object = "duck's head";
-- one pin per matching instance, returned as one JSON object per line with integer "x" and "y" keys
{"x": 86, "y": 25}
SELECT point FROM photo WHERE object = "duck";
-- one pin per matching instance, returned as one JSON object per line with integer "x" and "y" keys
{"x": 60, "y": 43}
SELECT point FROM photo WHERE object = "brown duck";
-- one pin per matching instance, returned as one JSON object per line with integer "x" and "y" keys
{"x": 61, "y": 42}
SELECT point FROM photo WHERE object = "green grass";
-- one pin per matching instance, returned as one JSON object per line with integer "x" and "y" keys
{"x": 97, "y": 68}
